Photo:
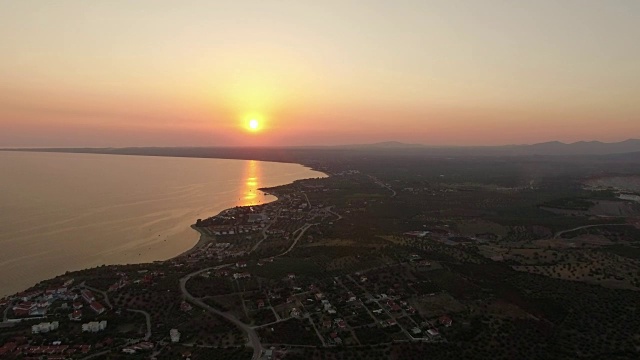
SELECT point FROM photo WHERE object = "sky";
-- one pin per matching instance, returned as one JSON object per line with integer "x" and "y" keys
{"x": 194, "y": 73}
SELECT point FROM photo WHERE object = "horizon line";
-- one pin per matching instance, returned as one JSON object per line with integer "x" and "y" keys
{"x": 379, "y": 143}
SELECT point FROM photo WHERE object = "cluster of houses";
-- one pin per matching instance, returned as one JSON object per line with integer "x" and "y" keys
{"x": 141, "y": 346}
{"x": 36, "y": 303}
{"x": 234, "y": 221}
{"x": 18, "y": 348}
{"x": 145, "y": 278}
{"x": 244, "y": 220}
{"x": 217, "y": 251}
{"x": 87, "y": 296}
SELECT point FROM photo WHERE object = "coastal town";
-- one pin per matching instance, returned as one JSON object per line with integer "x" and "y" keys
{"x": 334, "y": 267}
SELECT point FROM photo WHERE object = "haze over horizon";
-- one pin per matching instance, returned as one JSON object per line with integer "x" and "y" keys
{"x": 159, "y": 73}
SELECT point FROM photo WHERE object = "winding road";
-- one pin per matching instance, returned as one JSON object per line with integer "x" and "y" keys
{"x": 147, "y": 335}
{"x": 264, "y": 231}
{"x": 333, "y": 213}
{"x": 104, "y": 294}
{"x": 254, "y": 339}
{"x": 303, "y": 229}
{"x": 558, "y": 234}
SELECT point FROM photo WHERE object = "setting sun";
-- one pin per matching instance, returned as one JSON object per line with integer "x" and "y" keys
{"x": 253, "y": 123}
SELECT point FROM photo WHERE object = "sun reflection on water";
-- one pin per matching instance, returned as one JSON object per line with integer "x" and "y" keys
{"x": 250, "y": 195}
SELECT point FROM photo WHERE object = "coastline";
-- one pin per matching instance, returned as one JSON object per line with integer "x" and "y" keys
{"x": 217, "y": 156}
{"x": 204, "y": 239}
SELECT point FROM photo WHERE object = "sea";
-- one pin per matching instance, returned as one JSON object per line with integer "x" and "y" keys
{"x": 61, "y": 212}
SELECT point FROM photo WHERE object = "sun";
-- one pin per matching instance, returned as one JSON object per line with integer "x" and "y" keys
{"x": 253, "y": 123}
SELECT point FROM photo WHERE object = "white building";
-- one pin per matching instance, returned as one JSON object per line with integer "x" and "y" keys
{"x": 94, "y": 326}
{"x": 44, "y": 327}
{"x": 175, "y": 335}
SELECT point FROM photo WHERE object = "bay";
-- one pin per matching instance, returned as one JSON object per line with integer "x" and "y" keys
{"x": 62, "y": 212}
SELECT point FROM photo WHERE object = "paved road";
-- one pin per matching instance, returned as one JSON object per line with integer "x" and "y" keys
{"x": 333, "y": 213}
{"x": 303, "y": 229}
{"x": 558, "y": 234}
{"x": 368, "y": 294}
{"x": 254, "y": 339}
{"x": 6, "y": 311}
{"x": 380, "y": 183}
{"x": 147, "y": 335}
{"x": 103, "y": 293}
{"x": 264, "y": 231}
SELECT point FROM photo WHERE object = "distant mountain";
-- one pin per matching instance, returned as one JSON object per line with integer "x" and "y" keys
{"x": 547, "y": 148}
{"x": 578, "y": 148}
{"x": 382, "y": 145}
{"x": 627, "y": 149}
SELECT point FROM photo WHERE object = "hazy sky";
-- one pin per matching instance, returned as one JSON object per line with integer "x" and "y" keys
{"x": 122, "y": 73}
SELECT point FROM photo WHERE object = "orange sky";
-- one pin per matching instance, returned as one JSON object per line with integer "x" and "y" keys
{"x": 166, "y": 73}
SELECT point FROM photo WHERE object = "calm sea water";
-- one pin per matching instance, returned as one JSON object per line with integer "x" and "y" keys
{"x": 61, "y": 212}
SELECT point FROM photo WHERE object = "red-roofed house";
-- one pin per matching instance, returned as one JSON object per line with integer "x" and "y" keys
{"x": 97, "y": 307}
{"x": 26, "y": 296}
{"x": 8, "y": 348}
{"x": 24, "y": 306}
{"x": 445, "y": 320}
{"x": 88, "y": 296}
{"x": 76, "y": 315}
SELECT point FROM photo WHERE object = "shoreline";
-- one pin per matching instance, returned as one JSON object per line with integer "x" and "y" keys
{"x": 204, "y": 237}
{"x": 202, "y": 241}
{"x": 64, "y": 151}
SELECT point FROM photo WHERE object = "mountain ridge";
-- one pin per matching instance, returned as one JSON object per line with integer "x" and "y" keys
{"x": 550, "y": 148}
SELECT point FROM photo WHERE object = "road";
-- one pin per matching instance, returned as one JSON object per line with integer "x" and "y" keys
{"x": 264, "y": 231}
{"x": 104, "y": 295}
{"x": 383, "y": 307}
{"x": 304, "y": 228}
{"x": 6, "y": 312}
{"x": 380, "y": 183}
{"x": 254, "y": 339}
{"x": 333, "y": 213}
{"x": 147, "y": 335}
{"x": 558, "y": 234}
